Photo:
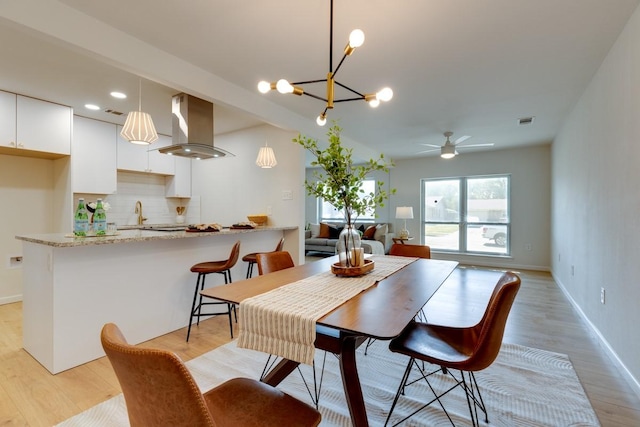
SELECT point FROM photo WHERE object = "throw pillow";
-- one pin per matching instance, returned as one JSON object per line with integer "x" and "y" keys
{"x": 324, "y": 231}
{"x": 361, "y": 229}
{"x": 334, "y": 231}
{"x": 315, "y": 230}
{"x": 381, "y": 230}
{"x": 369, "y": 232}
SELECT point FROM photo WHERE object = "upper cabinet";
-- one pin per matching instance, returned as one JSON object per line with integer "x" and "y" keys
{"x": 93, "y": 157}
{"x": 179, "y": 185}
{"x": 145, "y": 158}
{"x": 38, "y": 128}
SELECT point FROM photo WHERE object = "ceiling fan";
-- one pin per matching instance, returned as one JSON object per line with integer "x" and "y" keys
{"x": 450, "y": 149}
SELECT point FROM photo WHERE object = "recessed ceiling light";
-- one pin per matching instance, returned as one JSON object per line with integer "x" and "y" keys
{"x": 118, "y": 95}
{"x": 91, "y": 107}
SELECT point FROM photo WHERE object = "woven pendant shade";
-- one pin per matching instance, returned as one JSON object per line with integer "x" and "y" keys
{"x": 139, "y": 128}
{"x": 266, "y": 158}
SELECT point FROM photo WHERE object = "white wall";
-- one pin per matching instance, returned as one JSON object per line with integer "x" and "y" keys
{"x": 231, "y": 188}
{"x": 595, "y": 207}
{"x": 26, "y": 191}
{"x": 530, "y": 201}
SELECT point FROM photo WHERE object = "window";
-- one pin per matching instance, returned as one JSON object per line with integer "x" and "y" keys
{"x": 467, "y": 214}
{"x": 327, "y": 212}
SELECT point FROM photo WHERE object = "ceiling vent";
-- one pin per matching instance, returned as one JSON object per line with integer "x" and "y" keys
{"x": 114, "y": 112}
{"x": 525, "y": 120}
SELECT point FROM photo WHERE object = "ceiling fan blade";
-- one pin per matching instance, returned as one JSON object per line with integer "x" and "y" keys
{"x": 488, "y": 144}
{"x": 428, "y": 151}
{"x": 430, "y": 145}
{"x": 461, "y": 139}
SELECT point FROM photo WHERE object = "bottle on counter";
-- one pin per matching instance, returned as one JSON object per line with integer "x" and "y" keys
{"x": 100, "y": 219}
{"x": 81, "y": 219}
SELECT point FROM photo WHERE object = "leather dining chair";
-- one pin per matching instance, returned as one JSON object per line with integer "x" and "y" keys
{"x": 251, "y": 258}
{"x": 466, "y": 350}
{"x": 220, "y": 267}
{"x": 273, "y": 261}
{"x": 159, "y": 390}
{"x": 400, "y": 249}
{"x": 418, "y": 251}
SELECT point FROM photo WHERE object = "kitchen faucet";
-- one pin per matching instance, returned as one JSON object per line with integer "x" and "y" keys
{"x": 138, "y": 210}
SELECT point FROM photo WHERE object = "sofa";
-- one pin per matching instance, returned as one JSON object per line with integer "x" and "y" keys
{"x": 376, "y": 241}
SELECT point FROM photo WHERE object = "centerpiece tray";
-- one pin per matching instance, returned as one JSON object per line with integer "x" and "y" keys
{"x": 342, "y": 270}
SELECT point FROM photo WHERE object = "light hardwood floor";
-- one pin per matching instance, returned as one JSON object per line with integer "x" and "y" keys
{"x": 541, "y": 317}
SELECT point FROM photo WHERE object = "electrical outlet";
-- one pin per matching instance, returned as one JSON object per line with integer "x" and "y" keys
{"x": 287, "y": 195}
{"x": 601, "y": 295}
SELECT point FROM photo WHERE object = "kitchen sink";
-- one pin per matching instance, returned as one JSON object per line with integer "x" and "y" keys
{"x": 164, "y": 228}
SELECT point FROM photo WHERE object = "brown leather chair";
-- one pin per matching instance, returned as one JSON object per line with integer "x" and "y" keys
{"x": 220, "y": 267}
{"x": 251, "y": 258}
{"x": 273, "y": 261}
{"x": 418, "y": 251}
{"x": 464, "y": 349}
{"x": 159, "y": 390}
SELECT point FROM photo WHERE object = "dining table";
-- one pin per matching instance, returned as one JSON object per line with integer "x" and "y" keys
{"x": 380, "y": 312}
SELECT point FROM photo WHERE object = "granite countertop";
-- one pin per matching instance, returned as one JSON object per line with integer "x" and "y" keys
{"x": 133, "y": 235}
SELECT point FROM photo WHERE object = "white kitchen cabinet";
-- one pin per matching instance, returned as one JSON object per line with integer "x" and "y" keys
{"x": 93, "y": 157}
{"x": 144, "y": 158}
{"x": 179, "y": 185}
{"x": 7, "y": 120}
{"x": 159, "y": 163}
{"x": 34, "y": 126}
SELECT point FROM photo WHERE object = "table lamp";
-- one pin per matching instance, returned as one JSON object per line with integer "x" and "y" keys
{"x": 404, "y": 212}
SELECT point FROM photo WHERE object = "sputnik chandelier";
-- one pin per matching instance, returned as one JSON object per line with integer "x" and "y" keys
{"x": 356, "y": 39}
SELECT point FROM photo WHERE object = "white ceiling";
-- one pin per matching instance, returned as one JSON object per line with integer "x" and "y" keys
{"x": 473, "y": 67}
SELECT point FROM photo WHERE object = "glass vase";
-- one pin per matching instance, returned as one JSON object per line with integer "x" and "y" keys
{"x": 349, "y": 248}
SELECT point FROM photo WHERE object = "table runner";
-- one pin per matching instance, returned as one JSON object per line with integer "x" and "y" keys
{"x": 283, "y": 321}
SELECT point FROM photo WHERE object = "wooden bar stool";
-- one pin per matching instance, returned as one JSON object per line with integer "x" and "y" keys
{"x": 251, "y": 258}
{"x": 220, "y": 267}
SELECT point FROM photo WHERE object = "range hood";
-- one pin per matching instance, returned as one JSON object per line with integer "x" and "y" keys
{"x": 192, "y": 129}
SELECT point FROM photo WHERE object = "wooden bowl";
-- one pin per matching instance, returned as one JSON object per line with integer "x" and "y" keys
{"x": 258, "y": 219}
{"x": 341, "y": 270}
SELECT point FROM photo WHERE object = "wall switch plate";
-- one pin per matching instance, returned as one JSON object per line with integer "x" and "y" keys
{"x": 527, "y": 246}
{"x": 287, "y": 195}
{"x": 601, "y": 295}
{"x": 14, "y": 261}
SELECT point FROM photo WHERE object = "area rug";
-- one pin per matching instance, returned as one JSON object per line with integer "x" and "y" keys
{"x": 523, "y": 387}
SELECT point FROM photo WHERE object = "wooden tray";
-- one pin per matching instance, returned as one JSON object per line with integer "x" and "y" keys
{"x": 195, "y": 230}
{"x": 242, "y": 227}
{"x": 341, "y": 270}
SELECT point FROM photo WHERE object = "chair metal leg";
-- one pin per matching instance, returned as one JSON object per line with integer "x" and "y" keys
{"x": 193, "y": 306}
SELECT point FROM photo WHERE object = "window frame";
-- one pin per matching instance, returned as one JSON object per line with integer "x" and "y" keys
{"x": 361, "y": 219}
{"x": 462, "y": 222}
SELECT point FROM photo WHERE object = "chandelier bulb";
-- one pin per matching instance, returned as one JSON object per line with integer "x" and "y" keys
{"x": 356, "y": 38}
{"x": 373, "y": 103}
{"x": 385, "y": 94}
{"x": 264, "y": 86}
{"x": 284, "y": 86}
{"x": 321, "y": 120}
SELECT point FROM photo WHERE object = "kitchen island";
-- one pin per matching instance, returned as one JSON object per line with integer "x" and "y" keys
{"x": 138, "y": 279}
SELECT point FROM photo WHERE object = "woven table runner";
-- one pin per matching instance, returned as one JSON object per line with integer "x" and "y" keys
{"x": 283, "y": 321}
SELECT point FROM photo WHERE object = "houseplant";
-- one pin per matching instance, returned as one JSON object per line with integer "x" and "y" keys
{"x": 339, "y": 182}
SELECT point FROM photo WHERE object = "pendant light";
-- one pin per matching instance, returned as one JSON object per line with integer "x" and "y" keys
{"x": 139, "y": 128}
{"x": 266, "y": 157}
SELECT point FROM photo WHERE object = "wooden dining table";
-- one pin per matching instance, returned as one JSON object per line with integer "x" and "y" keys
{"x": 381, "y": 312}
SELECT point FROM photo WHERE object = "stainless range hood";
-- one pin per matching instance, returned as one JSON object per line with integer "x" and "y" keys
{"x": 192, "y": 129}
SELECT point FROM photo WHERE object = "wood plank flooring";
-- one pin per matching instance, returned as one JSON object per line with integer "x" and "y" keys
{"x": 541, "y": 317}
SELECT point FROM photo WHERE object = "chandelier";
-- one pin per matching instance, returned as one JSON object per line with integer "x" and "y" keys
{"x": 356, "y": 39}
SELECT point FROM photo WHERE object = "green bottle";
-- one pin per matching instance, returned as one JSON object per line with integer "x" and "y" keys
{"x": 100, "y": 219}
{"x": 81, "y": 219}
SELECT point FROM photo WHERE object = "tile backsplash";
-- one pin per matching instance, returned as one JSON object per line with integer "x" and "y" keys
{"x": 149, "y": 189}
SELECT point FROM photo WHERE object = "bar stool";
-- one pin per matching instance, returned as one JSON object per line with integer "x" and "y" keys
{"x": 251, "y": 258}
{"x": 220, "y": 267}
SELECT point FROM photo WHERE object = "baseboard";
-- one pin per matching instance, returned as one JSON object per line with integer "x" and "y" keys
{"x": 633, "y": 382}
{"x": 10, "y": 299}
